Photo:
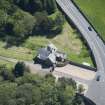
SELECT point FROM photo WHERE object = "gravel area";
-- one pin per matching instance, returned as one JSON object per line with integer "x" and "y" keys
{"x": 76, "y": 72}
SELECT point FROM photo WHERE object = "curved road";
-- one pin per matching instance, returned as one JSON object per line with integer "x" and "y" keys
{"x": 96, "y": 89}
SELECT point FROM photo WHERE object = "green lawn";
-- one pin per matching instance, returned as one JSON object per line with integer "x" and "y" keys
{"x": 19, "y": 53}
{"x": 95, "y": 12}
{"x": 68, "y": 42}
{"x": 9, "y": 65}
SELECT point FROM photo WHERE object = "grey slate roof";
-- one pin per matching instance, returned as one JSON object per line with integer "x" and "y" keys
{"x": 50, "y": 52}
{"x": 43, "y": 53}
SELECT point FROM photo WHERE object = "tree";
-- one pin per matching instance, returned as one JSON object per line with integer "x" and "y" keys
{"x": 24, "y": 94}
{"x": 78, "y": 100}
{"x": 5, "y": 5}
{"x": 35, "y": 5}
{"x": 16, "y": 15}
{"x": 81, "y": 89}
{"x": 55, "y": 23}
{"x": 35, "y": 90}
{"x": 7, "y": 75}
{"x": 21, "y": 101}
{"x": 23, "y": 23}
{"x": 30, "y": 5}
{"x": 19, "y": 69}
{"x": 36, "y": 97}
{"x": 42, "y": 22}
{"x": 67, "y": 81}
{"x": 7, "y": 92}
{"x": 50, "y": 6}
{"x": 29, "y": 78}
{"x": 12, "y": 102}
{"x": 48, "y": 24}
{"x": 3, "y": 18}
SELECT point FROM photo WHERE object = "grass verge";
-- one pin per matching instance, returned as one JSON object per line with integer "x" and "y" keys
{"x": 95, "y": 11}
{"x": 9, "y": 65}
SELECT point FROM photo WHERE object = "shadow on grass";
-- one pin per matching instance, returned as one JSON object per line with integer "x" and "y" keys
{"x": 19, "y": 40}
{"x": 11, "y": 41}
{"x": 48, "y": 34}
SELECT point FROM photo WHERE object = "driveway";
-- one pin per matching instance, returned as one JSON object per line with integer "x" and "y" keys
{"x": 76, "y": 72}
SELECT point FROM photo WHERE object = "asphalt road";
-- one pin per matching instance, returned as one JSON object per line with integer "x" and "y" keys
{"x": 96, "y": 89}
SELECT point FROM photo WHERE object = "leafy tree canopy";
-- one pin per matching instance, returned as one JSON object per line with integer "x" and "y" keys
{"x": 21, "y": 18}
{"x": 30, "y": 89}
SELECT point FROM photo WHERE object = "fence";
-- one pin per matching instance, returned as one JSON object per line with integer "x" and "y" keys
{"x": 83, "y": 66}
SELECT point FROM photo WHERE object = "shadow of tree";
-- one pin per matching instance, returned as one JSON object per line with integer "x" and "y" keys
{"x": 11, "y": 41}
{"x": 17, "y": 40}
{"x": 47, "y": 34}
{"x": 86, "y": 100}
